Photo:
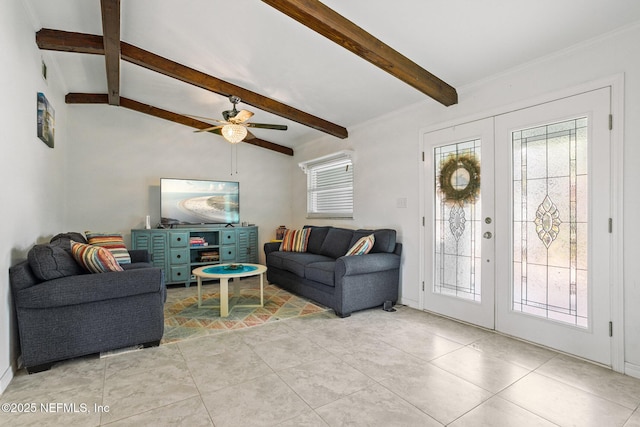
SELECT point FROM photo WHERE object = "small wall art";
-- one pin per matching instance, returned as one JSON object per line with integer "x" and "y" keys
{"x": 46, "y": 120}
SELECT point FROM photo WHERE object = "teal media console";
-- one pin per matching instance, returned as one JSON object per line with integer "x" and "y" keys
{"x": 178, "y": 251}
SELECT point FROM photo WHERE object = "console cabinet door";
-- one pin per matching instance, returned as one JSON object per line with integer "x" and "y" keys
{"x": 248, "y": 245}
{"x": 155, "y": 243}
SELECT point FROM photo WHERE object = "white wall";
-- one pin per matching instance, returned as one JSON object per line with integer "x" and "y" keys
{"x": 117, "y": 157}
{"x": 387, "y": 151}
{"x": 386, "y": 164}
{"x": 30, "y": 172}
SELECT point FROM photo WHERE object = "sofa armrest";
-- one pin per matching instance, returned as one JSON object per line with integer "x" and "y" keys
{"x": 369, "y": 263}
{"x": 139, "y": 255}
{"x": 271, "y": 247}
{"x": 87, "y": 288}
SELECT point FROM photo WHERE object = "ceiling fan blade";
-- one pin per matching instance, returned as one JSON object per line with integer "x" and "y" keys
{"x": 206, "y": 118}
{"x": 266, "y": 126}
{"x": 242, "y": 116}
{"x": 209, "y": 129}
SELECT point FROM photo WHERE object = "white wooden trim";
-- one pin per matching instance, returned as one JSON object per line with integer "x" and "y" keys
{"x": 617, "y": 214}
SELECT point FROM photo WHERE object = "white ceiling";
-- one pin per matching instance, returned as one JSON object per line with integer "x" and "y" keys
{"x": 250, "y": 44}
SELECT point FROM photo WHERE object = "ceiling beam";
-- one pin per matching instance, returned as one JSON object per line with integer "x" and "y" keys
{"x": 101, "y": 98}
{"x": 87, "y": 43}
{"x": 111, "y": 39}
{"x": 327, "y": 22}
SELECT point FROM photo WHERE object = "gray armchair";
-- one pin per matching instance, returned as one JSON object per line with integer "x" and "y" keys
{"x": 76, "y": 313}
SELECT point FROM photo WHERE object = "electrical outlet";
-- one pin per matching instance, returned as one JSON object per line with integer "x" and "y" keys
{"x": 401, "y": 202}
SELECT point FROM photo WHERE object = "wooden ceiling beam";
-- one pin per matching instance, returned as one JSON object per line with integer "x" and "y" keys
{"x": 86, "y": 43}
{"x": 197, "y": 78}
{"x": 67, "y": 41}
{"x": 327, "y": 22}
{"x": 102, "y": 98}
{"x": 111, "y": 40}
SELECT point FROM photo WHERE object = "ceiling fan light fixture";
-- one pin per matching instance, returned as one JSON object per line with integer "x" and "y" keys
{"x": 234, "y": 133}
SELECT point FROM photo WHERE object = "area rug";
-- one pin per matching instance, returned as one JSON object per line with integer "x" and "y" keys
{"x": 184, "y": 320}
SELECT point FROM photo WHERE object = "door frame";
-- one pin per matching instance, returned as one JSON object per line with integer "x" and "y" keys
{"x": 616, "y": 83}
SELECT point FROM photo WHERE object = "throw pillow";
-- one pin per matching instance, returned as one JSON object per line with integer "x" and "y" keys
{"x": 295, "y": 240}
{"x": 362, "y": 246}
{"x": 52, "y": 262}
{"x": 113, "y": 242}
{"x": 94, "y": 259}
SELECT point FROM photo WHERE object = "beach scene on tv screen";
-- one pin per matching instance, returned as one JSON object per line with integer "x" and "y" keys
{"x": 199, "y": 202}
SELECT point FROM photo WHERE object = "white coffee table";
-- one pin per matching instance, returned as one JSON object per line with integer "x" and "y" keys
{"x": 224, "y": 272}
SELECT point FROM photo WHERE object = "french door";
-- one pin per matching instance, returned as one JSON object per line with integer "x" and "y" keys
{"x": 554, "y": 198}
{"x": 524, "y": 247}
{"x": 459, "y": 192}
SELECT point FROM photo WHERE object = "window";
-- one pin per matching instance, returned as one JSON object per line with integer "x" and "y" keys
{"x": 330, "y": 186}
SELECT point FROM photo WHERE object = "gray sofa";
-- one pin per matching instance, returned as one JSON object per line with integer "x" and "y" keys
{"x": 64, "y": 312}
{"x": 343, "y": 283}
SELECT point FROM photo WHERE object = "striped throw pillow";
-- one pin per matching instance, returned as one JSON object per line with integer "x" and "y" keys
{"x": 94, "y": 259}
{"x": 362, "y": 246}
{"x": 113, "y": 242}
{"x": 295, "y": 240}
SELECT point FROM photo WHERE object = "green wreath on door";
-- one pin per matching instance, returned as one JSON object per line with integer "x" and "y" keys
{"x": 459, "y": 178}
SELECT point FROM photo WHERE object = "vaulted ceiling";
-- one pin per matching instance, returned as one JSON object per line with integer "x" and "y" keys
{"x": 263, "y": 48}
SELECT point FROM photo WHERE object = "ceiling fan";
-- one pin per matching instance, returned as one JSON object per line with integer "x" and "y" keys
{"x": 234, "y": 126}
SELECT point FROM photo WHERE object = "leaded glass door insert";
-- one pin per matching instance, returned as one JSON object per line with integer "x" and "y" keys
{"x": 457, "y": 220}
{"x": 550, "y": 224}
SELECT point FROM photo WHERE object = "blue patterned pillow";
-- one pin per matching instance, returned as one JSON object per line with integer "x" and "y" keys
{"x": 362, "y": 246}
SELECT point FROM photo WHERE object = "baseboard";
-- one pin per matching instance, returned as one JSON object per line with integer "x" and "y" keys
{"x": 5, "y": 379}
{"x": 632, "y": 370}
{"x": 409, "y": 303}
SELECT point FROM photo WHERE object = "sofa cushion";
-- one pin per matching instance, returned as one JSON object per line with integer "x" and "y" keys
{"x": 52, "y": 262}
{"x": 94, "y": 259}
{"x": 295, "y": 240}
{"x": 112, "y": 242}
{"x": 136, "y": 265}
{"x": 385, "y": 239}
{"x": 318, "y": 234}
{"x": 66, "y": 238}
{"x": 294, "y": 262}
{"x": 362, "y": 246}
{"x": 323, "y": 272}
{"x": 337, "y": 242}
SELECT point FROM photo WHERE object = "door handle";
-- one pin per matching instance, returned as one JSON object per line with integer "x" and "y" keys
{"x": 487, "y": 235}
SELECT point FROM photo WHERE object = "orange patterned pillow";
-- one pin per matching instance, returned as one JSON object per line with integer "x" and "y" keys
{"x": 295, "y": 240}
{"x": 94, "y": 259}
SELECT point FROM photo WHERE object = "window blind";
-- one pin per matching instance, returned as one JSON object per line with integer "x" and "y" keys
{"x": 330, "y": 187}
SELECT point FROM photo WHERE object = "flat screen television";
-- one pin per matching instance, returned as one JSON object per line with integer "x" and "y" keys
{"x": 194, "y": 201}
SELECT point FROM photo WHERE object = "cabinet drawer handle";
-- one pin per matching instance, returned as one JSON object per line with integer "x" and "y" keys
{"x": 179, "y": 256}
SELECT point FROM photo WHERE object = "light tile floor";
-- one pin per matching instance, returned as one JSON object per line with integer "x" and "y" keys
{"x": 407, "y": 368}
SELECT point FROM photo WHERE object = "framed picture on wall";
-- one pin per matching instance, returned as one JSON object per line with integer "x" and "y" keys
{"x": 46, "y": 120}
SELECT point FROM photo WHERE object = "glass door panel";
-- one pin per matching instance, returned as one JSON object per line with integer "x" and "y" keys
{"x": 457, "y": 220}
{"x": 550, "y": 221}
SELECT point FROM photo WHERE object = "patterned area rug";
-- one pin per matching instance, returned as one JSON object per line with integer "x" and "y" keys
{"x": 184, "y": 320}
